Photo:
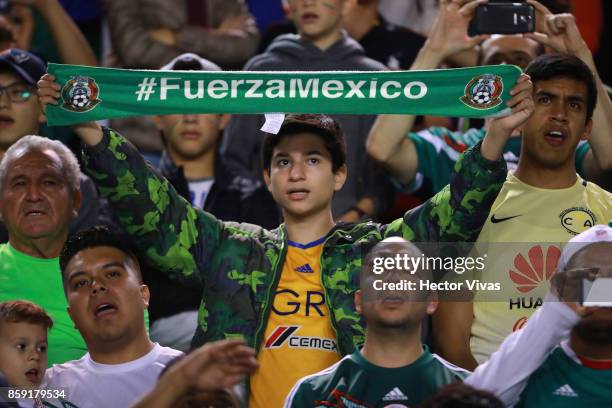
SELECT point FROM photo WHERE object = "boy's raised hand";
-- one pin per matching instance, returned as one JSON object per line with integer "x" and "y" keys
{"x": 49, "y": 94}
{"x": 48, "y": 91}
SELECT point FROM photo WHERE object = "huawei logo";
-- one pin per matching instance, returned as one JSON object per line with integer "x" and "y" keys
{"x": 539, "y": 268}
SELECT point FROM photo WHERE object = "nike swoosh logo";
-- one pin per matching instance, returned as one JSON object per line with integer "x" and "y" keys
{"x": 497, "y": 220}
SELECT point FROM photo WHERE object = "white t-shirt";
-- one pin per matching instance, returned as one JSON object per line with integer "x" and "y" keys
{"x": 90, "y": 384}
{"x": 198, "y": 191}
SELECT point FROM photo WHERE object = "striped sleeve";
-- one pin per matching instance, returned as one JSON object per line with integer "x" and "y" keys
{"x": 506, "y": 372}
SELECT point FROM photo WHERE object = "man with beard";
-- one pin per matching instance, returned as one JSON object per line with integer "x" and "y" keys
{"x": 393, "y": 367}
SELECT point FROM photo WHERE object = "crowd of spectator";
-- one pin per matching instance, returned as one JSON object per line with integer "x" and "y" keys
{"x": 198, "y": 260}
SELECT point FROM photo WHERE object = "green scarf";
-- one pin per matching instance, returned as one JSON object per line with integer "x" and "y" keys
{"x": 91, "y": 93}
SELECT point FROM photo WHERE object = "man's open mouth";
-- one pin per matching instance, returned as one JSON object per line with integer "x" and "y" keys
{"x": 105, "y": 309}
{"x": 555, "y": 137}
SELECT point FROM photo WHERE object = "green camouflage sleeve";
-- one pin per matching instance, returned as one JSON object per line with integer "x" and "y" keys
{"x": 459, "y": 211}
{"x": 164, "y": 226}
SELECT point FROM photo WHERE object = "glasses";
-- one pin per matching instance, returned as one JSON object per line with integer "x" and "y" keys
{"x": 17, "y": 92}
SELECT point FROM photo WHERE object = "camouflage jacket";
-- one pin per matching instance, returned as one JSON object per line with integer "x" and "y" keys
{"x": 238, "y": 265}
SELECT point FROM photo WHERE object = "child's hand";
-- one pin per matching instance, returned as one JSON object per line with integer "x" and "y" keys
{"x": 48, "y": 92}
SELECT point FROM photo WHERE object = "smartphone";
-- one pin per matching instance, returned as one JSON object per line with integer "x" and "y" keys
{"x": 596, "y": 292}
{"x": 503, "y": 18}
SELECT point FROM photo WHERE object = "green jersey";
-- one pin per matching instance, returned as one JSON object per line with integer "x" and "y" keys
{"x": 355, "y": 382}
{"x": 23, "y": 277}
{"x": 563, "y": 382}
{"x": 438, "y": 149}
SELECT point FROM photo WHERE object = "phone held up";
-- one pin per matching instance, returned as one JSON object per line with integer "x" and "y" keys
{"x": 596, "y": 292}
{"x": 503, "y": 18}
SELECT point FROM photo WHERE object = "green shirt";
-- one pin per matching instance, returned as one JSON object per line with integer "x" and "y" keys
{"x": 439, "y": 148}
{"x": 38, "y": 280}
{"x": 355, "y": 382}
{"x": 562, "y": 382}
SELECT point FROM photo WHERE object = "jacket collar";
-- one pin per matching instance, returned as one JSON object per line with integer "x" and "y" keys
{"x": 342, "y": 232}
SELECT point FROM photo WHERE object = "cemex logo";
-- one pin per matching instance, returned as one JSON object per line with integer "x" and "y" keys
{"x": 537, "y": 269}
{"x": 286, "y": 335}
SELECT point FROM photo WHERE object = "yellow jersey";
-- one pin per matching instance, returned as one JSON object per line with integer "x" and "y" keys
{"x": 524, "y": 233}
{"x": 299, "y": 339}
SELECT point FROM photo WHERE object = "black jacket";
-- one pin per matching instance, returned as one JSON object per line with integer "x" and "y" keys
{"x": 231, "y": 198}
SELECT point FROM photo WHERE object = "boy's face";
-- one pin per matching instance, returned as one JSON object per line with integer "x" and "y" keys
{"x": 300, "y": 176}
{"x": 17, "y": 118}
{"x": 106, "y": 300}
{"x": 191, "y": 136}
{"x": 558, "y": 123}
{"x": 23, "y": 353}
{"x": 315, "y": 19}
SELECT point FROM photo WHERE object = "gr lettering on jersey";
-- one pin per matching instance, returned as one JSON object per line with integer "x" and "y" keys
{"x": 310, "y": 305}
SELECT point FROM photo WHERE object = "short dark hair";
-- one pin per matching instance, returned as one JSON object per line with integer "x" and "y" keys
{"x": 321, "y": 125}
{"x": 550, "y": 66}
{"x": 97, "y": 236}
{"x": 22, "y": 311}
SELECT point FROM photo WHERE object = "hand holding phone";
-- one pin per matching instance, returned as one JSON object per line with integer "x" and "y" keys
{"x": 596, "y": 292}
{"x": 567, "y": 285}
{"x": 503, "y": 18}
